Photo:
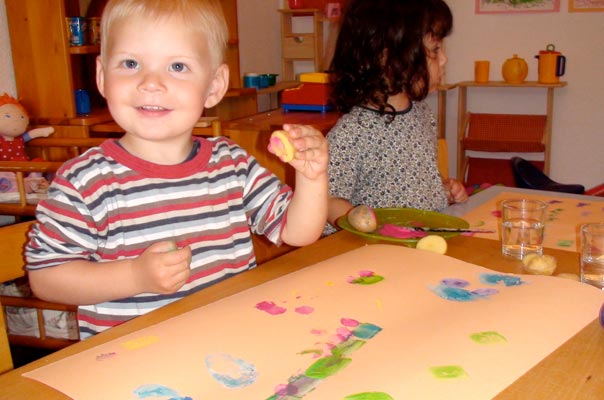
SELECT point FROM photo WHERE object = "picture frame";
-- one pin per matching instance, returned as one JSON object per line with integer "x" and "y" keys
{"x": 516, "y": 7}
{"x": 585, "y": 5}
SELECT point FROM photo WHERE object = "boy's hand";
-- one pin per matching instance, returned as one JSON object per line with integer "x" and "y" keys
{"x": 162, "y": 268}
{"x": 456, "y": 192}
{"x": 311, "y": 156}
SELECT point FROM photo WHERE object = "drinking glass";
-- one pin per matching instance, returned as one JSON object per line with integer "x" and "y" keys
{"x": 522, "y": 227}
{"x": 592, "y": 254}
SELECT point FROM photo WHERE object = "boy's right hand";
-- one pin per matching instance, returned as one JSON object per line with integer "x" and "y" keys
{"x": 162, "y": 268}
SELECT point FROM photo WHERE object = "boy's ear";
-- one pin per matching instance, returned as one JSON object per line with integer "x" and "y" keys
{"x": 100, "y": 76}
{"x": 218, "y": 86}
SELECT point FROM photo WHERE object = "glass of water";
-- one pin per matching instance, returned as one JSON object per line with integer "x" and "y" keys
{"x": 592, "y": 254}
{"x": 522, "y": 227}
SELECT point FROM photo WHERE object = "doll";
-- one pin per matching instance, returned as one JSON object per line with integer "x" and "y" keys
{"x": 13, "y": 130}
{"x": 13, "y": 136}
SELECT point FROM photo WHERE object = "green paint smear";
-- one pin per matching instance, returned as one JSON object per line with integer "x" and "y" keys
{"x": 479, "y": 223}
{"x": 448, "y": 372}
{"x": 488, "y": 337}
{"x": 369, "y": 396}
{"x": 565, "y": 243}
{"x": 327, "y": 366}
{"x": 368, "y": 280}
{"x": 347, "y": 348}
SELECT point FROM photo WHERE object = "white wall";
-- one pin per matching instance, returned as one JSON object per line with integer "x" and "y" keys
{"x": 578, "y": 125}
{"x": 577, "y": 152}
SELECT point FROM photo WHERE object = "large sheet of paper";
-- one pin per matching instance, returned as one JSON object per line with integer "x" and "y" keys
{"x": 380, "y": 322}
{"x": 564, "y": 217}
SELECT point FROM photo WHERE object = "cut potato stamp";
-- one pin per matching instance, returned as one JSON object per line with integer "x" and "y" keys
{"x": 282, "y": 147}
{"x": 433, "y": 243}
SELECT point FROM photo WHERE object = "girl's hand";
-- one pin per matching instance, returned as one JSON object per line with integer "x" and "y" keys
{"x": 311, "y": 156}
{"x": 162, "y": 268}
{"x": 456, "y": 192}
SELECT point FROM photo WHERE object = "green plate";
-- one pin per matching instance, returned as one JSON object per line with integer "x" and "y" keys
{"x": 407, "y": 217}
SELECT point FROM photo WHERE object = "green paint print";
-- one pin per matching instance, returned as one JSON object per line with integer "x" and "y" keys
{"x": 565, "y": 243}
{"x": 554, "y": 214}
{"x": 369, "y": 396}
{"x": 327, "y": 366}
{"x": 488, "y": 337}
{"x": 448, "y": 372}
{"x": 365, "y": 278}
{"x": 351, "y": 336}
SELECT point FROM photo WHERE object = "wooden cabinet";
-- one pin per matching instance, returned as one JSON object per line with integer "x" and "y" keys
{"x": 48, "y": 70}
{"x": 542, "y": 140}
{"x": 300, "y": 46}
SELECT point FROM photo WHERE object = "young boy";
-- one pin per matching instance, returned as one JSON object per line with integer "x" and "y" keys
{"x": 145, "y": 220}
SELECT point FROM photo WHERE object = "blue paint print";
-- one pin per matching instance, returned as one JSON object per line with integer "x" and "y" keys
{"x": 455, "y": 293}
{"x": 231, "y": 372}
{"x": 455, "y": 282}
{"x": 366, "y": 330}
{"x": 484, "y": 292}
{"x": 495, "y": 279}
{"x": 150, "y": 391}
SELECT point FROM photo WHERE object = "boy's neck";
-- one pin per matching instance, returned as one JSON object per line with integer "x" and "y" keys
{"x": 160, "y": 152}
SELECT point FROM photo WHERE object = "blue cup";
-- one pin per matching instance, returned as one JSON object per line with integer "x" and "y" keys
{"x": 82, "y": 101}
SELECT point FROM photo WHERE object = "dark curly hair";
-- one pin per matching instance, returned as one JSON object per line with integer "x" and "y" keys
{"x": 380, "y": 51}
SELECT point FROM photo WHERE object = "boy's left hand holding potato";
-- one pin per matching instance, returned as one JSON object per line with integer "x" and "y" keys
{"x": 310, "y": 156}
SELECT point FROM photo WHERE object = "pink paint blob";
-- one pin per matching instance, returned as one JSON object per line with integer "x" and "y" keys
{"x": 400, "y": 232}
{"x": 305, "y": 310}
{"x": 366, "y": 273}
{"x": 270, "y": 307}
{"x": 349, "y": 322}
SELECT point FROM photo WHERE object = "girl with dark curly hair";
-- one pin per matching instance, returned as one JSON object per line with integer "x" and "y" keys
{"x": 388, "y": 57}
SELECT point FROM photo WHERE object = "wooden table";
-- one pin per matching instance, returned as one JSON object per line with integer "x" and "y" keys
{"x": 573, "y": 371}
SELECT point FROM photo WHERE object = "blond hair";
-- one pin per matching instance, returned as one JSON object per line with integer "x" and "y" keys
{"x": 202, "y": 17}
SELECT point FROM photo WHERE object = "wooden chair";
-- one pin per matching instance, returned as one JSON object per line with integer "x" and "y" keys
{"x": 20, "y": 203}
{"x": 60, "y": 148}
{"x": 12, "y": 245}
{"x": 442, "y": 158}
{"x": 497, "y": 133}
{"x": 53, "y": 152}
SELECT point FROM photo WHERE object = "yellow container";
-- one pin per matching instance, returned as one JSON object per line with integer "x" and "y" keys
{"x": 314, "y": 77}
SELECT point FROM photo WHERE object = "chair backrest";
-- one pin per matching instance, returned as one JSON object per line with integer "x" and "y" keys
{"x": 442, "y": 158}
{"x": 19, "y": 195}
{"x": 60, "y": 148}
{"x": 13, "y": 239}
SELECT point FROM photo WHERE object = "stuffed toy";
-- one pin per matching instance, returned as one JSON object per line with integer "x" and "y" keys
{"x": 13, "y": 130}
{"x": 14, "y": 121}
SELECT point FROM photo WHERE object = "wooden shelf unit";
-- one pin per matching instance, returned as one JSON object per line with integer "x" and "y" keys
{"x": 463, "y": 109}
{"x": 301, "y": 46}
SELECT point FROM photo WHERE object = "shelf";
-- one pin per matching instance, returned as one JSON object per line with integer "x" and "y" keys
{"x": 526, "y": 84}
{"x": 87, "y": 49}
{"x": 462, "y": 120}
{"x": 303, "y": 45}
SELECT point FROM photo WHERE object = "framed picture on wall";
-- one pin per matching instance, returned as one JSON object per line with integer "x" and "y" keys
{"x": 585, "y": 5}
{"x": 517, "y": 6}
